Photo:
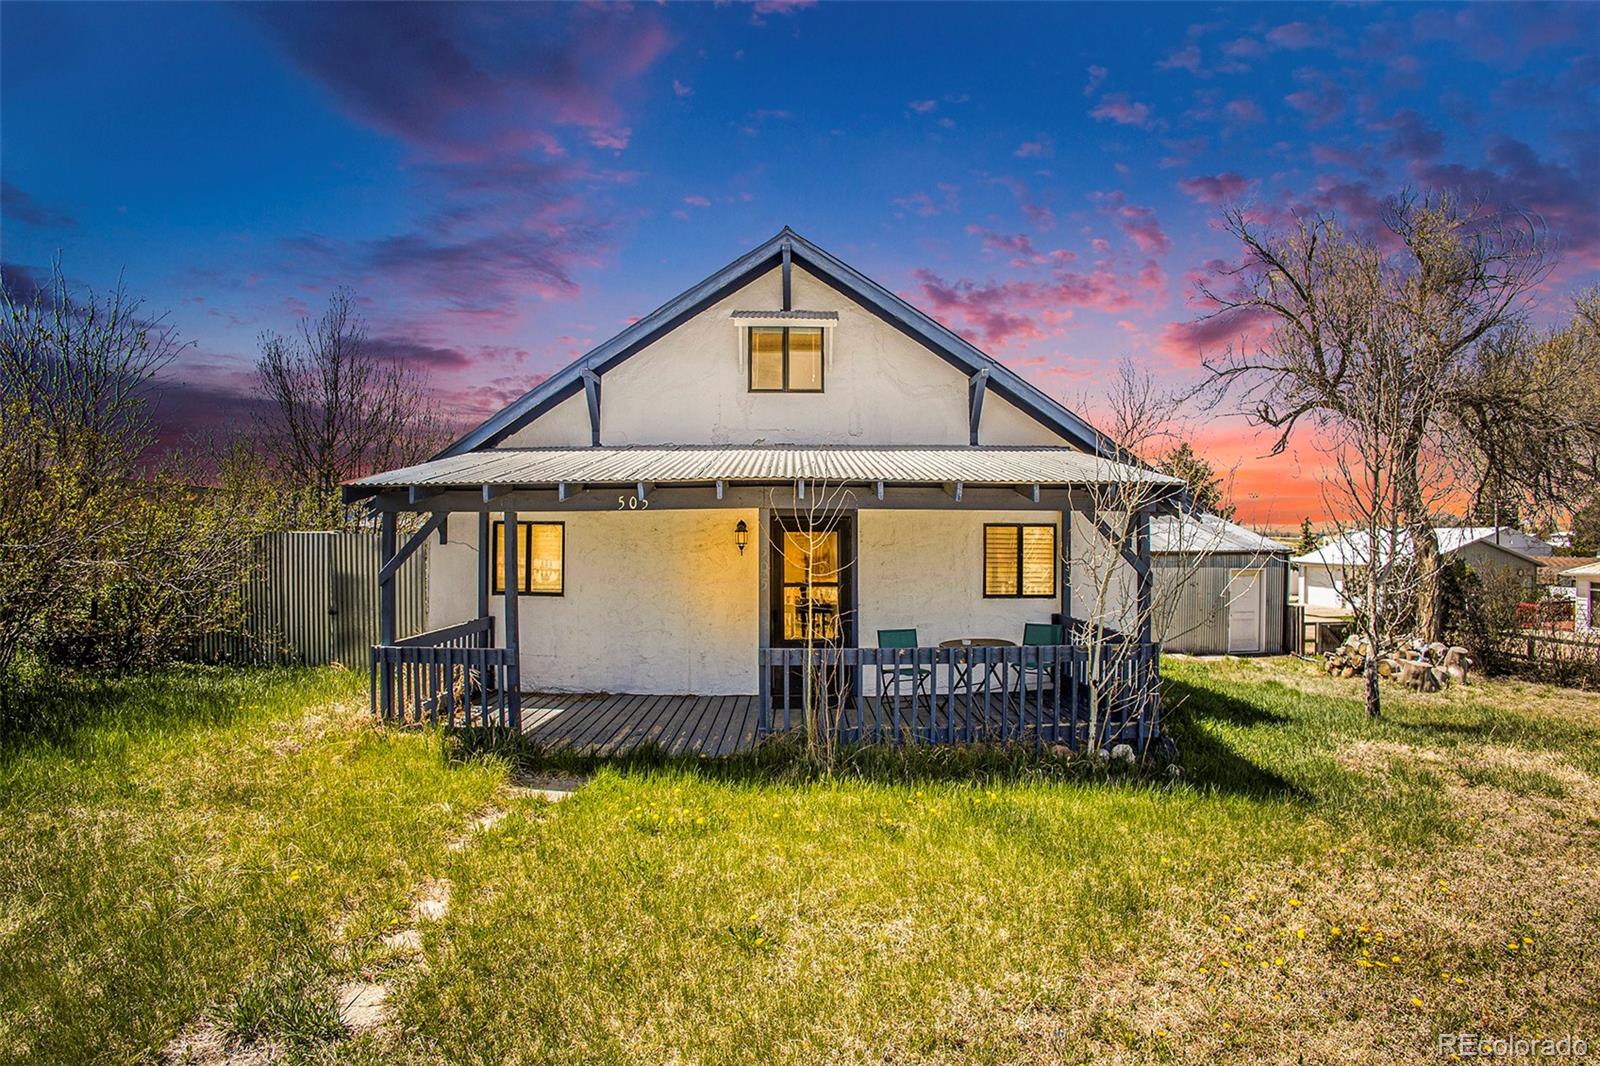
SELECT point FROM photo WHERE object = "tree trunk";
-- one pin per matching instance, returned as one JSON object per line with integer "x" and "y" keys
{"x": 1374, "y": 631}
{"x": 1372, "y": 683}
{"x": 1429, "y": 593}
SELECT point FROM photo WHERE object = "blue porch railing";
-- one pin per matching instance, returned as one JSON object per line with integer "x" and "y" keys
{"x": 951, "y": 695}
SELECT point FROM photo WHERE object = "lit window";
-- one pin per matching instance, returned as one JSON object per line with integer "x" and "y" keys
{"x": 541, "y": 557}
{"x": 1019, "y": 561}
{"x": 785, "y": 359}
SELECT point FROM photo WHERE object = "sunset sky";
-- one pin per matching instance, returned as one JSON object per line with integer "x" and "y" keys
{"x": 506, "y": 186}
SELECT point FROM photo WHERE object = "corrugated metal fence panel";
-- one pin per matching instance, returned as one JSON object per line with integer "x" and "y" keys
{"x": 1200, "y": 616}
{"x": 313, "y": 598}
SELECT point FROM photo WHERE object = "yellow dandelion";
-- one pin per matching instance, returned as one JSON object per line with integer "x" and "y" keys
{"x": 1459, "y": 980}
{"x": 1203, "y": 970}
{"x": 1394, "y": 958}
{"x": 1334, "y": 931}
{"x": 1301, "y": 933}
{"x": 1415, "y": 1002}
{"x": 1364, "y": 964}
{"x": 1278, "y": 961}
{"x": 1512, "y": 945}
{"x": 1527, "y": 940}
{"x": 1294, "y": 903}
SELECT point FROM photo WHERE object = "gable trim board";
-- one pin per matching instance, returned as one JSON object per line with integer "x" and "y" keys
{"x": 775, "y": 252}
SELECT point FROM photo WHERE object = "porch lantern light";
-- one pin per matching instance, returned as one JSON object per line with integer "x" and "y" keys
{"x": 741, "y": 535}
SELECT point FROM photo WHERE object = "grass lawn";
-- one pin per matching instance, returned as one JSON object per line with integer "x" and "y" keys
{"x": 212, "y": 865}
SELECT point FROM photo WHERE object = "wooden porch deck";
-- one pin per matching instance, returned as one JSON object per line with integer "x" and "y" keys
{"x": 616, "y": 724}
{"x": 621, "y": 723}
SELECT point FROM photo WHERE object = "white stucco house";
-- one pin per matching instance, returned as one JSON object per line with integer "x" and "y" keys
{"x": 1586, "y": 610}
{"x": 640, "y": 524}
{"x": 1321, "y": 576}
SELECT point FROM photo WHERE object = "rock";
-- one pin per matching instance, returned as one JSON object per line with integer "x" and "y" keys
{"x": 1123, "y": 753}
{"x": 363, "y": 1005}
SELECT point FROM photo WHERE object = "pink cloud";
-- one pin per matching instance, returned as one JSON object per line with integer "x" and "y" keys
{"x": 1243, "y": 111}
{"x": 1293, "y": 35}
{"x": 680, "y": 90}
{"x": 1034, "y": 149}
{"x": 1096, "y": 76}
{"x": 1187, "y": 343}
{"x": 1138, "y": 223}
{"x": 1217, "y": 188}
{"x": 922, "y": 107}
{"x": 616, "y": 139}
{"x": 1119, "y": 108}
{"x": 697, "y": 201}
{"x": 945, "y": 199}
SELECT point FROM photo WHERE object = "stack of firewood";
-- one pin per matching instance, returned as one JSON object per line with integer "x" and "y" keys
{"x": 1418, "y": 664}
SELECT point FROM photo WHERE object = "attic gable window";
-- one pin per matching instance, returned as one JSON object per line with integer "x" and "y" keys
{"x": 785, "y": 359}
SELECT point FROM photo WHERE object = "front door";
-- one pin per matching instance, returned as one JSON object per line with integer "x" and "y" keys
{"x": 812, "y": 591}
{"x": 1244, "y": 610}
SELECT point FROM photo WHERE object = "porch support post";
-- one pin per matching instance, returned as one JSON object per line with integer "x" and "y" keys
{"x": 483, "y": 564}
{"x": 1066, "y": 569}
{"x": 1147, "y": 653}
{"x": 513, "y": 641}
{"x": 976, "y": 386}
{"x": 386, "y": 613}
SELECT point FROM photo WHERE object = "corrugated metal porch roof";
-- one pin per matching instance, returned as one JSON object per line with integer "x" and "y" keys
{"x": 691, "y": 465}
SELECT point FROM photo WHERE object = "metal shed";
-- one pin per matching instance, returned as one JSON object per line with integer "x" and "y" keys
{"x": 1235, "y": 584}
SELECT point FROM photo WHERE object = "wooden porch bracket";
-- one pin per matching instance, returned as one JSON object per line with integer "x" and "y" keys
{"x": 566, "y": 490}
{"x": 722, "y": 488}
{"x": 977, "y": 385}
{"x": 643, "y": 489}
{"x": 953, "y": 489}
{"x": 591, "y": 393}
{"x": 1140, "y": 567}
{"x": 788, "y": 253}
{"x": 1031, "y": 492}
{"x": 395, "y": 560}
{"x": 800, "y": 489}
{"x": 491, "y": 491}
{"x": 879, "y": 490}
{"x": 420, "y": 494}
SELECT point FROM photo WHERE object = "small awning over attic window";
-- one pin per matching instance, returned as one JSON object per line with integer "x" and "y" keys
{"x": 785, "y": 318}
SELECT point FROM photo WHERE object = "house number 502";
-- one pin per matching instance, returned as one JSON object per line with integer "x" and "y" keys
{"x": 632, "y": 503}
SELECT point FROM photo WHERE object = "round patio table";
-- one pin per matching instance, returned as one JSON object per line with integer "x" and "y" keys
{"x": 962, "y": 666}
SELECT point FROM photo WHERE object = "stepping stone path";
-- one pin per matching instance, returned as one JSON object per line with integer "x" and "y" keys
{"x": 363, "y": 1005}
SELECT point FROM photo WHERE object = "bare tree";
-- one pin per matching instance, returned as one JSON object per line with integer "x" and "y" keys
{"x": 824, "y": 619}
{"x": 1111, "y": 611}
{"x": 1524, "y": 417}
{"x": 82, "y": 369}
{"x": 74, "y": 374}
{"x": 338, "y": 411}
{"x": 1348, "y": 319}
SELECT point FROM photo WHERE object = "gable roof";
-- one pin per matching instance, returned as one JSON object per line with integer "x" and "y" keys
{"x": 1207, "y": 534}
{"x": 874, "y": 297}
{"x": 1352, "y": 548}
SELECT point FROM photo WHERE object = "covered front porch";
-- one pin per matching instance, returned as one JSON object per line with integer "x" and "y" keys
{"x": 670, "y": 611}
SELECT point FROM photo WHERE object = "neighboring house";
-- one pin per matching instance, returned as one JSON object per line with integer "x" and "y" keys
{"x": 1586, "y": 582}
{"x": 663, "y": 487}
{"x": 1555, "y": 576}
{"x": 1235, "y": 585}
{"x": 1328, "y": 578}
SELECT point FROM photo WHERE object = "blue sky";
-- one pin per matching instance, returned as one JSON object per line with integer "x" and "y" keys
{"x": 505, "y": 186}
